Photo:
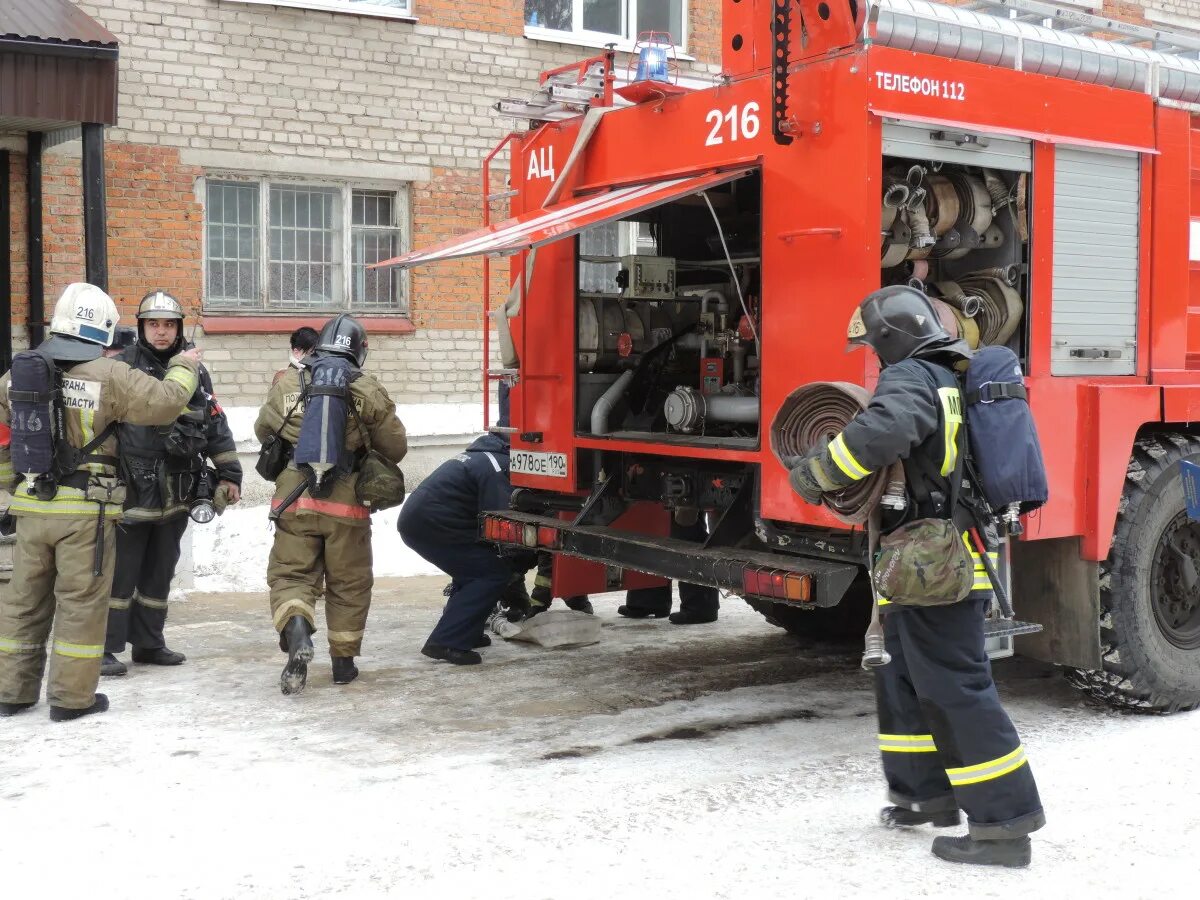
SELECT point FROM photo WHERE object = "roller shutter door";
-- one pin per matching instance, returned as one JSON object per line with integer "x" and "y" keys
{"x": 1097, "y": 208}
{"x": 940, "y": 143}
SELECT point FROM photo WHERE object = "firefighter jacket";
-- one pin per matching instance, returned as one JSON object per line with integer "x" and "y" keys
{"x": 915, "y": 415}
{"x": 96, "y": 393}
{"x": 284, "y": 411}
{"x": 160, "y": 481}
{"x": 447, "y": 503}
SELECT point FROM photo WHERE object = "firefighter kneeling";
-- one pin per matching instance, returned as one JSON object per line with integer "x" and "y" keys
{"x": 343, "y": 427}
{"x": 63, "y": 402}
{"x": 947, "y": 743}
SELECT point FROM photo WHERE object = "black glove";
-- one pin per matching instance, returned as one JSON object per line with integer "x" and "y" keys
{"x": 515, "y": 599}
{"x": 809, "y": 478}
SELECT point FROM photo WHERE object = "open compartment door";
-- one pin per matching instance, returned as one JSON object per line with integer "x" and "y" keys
{"x": 562, "y": 220}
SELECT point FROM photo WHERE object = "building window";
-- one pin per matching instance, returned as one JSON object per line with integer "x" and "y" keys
{"x": 280, "y": 246}
{"x": 594, "y": 21}
{"x": 392, "y": 9}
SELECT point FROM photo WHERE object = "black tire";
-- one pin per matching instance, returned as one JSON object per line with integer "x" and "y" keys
{"x": 845, "y": 622}
{"x": 1149, "y": 594}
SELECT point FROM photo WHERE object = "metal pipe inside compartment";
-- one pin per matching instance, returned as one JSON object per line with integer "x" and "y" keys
{"x": 686, "y": 409}
{"x": 604, "y": 406}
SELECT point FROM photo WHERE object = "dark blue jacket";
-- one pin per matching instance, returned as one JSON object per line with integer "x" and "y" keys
{"x": 445, "y": 507}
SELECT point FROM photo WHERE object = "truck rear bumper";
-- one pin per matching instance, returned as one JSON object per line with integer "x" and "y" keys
{"x": 803, "y": 581}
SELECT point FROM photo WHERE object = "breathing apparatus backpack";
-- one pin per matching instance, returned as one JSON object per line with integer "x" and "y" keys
{"x": 1005, "y": 454}
{"x": 40, "y": 450}
{"x": 321, "y": 448}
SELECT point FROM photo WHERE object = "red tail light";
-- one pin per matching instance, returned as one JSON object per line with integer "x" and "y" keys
{"x": 778, "y": 584}
{"x": 549, "y": 537}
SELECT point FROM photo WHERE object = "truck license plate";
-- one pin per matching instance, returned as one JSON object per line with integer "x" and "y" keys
{"x": 526, "y": 462}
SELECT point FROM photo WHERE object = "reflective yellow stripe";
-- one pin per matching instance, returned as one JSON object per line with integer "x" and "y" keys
{"x": 6, "y": 472}
{"x": 844, "y": 459}
{"x": 293, "y": 607}
{"x": 78, "y": 651}
{"x": 184, "y": 376}
{"x": 150, "y": 603}
{"x": 907, "y": 743}
{"x": 115, "y": 603}
{"x": 986, "y": 771}
{"x": 8, "y": 645}
{"x": 952, "y": 412}
{"x": 344, "y": 637}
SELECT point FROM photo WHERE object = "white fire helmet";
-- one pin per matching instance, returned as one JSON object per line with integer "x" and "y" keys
{"x": 86, "y": 312}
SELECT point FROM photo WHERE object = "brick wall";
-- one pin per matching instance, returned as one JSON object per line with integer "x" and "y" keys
{"x": 18, "y": 250}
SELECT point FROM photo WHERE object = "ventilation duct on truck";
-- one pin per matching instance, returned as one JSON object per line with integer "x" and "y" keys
{"x": 958, "y": 33}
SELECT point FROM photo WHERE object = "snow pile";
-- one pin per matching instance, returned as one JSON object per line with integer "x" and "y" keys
{"x": 230, "y": 554}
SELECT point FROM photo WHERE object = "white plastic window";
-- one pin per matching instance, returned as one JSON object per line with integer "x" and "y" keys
{"x": 280, "y": 246}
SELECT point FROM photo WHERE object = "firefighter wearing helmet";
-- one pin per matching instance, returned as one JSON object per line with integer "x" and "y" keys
{"x": 947, "y": 743}
{"x": 60, "y": 406}
{"x": 330, "y": 410}
{"x": 190, "y": 467}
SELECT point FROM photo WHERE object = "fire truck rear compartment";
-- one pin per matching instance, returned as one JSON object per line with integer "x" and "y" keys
{"x": 667, "y": 322}
{"x": 954, "y": 224}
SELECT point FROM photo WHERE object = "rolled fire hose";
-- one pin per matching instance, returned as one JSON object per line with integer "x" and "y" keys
{"x": 1001, "y": 306}
{"x": 810, "y": 417}
{"x": 975, "y": 213}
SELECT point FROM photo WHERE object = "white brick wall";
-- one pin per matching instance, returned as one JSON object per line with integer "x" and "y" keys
{"x": 228, "y": 76}
{"x": 431, "y": 366}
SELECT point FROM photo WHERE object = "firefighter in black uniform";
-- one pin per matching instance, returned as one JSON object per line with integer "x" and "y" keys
{"x": 947, "y": 743}
{"x": 440, "y": 521}
{"x": 165, "y": 471}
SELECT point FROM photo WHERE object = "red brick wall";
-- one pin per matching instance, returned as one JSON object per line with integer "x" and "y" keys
{"x": 446, "y": 295}
{"x": 501, "y": 17}
{"x": 19, "y": 255}
{"x": 155, "y": 225}
{"x": 704, "y": 31}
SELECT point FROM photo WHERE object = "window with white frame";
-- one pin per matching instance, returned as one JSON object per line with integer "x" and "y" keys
{"x": 597, "y": 21}
{"x": 400, "y": 9}
{"x": 290, "y": 246}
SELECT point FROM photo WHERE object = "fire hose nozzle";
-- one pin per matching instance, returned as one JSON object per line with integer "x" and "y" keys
{"x": 874, "y": 653}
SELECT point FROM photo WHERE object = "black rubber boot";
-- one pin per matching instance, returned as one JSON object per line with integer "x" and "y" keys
{"x": 1014, "y": 853}
{"x": 691, "y": 617}
{"x": 580, "y": 604}
{"x": 11, "y": 709}
{"x": 899, "y": 817}
{"x": 637, "y": 612}
{"x": 62, "y": 714}
{"x": 110, "y": 665}
{"x": 344, "y": 669}
{"x": 157, "y": 656}
{"x": 451, "y": 655}
{"x": 483, "y": 641}
{"x": 297, "y": 638}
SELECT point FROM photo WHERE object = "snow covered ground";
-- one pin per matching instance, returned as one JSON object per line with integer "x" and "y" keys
{"x": 703, "y": 762}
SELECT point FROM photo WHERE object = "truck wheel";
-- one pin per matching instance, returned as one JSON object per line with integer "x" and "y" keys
{"x": 1150, "y": 588}
{"x": 845, "y": 622}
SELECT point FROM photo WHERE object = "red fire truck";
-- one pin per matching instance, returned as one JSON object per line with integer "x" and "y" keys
{"x": 683, "y": 258}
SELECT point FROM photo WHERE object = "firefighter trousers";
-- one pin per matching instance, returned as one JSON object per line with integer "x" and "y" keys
{"x": 310, "y": 549}
{"x": 147, "y": 554}
{"x": 479, "y": 578}
{"x": 693, "y": 598}
{"x": 945, "y": 739}
{"x": 53, "y": 584}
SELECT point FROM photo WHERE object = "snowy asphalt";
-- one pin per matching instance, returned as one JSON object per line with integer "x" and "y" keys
{"x": 724, "y": 760}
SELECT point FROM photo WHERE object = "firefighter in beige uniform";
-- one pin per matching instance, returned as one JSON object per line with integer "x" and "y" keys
{"x": 65, "y": 548}
{"x": 325, "y": 539}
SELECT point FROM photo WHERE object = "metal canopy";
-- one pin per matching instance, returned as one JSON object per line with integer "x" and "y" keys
{"x": 562, "y": 220}
{"x": 58, "y": 66}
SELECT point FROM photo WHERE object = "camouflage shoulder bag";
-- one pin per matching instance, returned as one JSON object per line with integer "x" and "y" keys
{"x": 923, "y": 563}
{"x": 380, "y": 482}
